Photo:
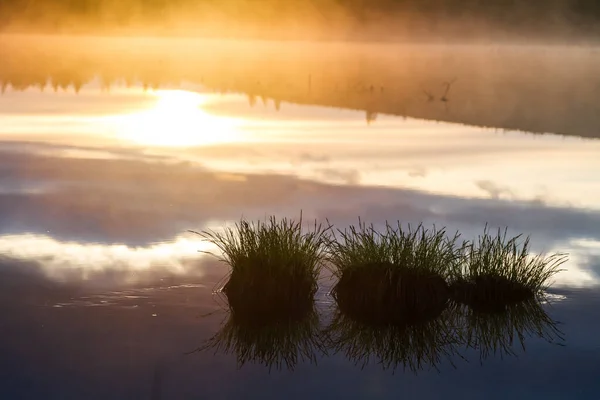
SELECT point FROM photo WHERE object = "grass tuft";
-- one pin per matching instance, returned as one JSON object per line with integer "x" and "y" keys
{"x": 395, "y": 277}
{"x": 274, "y": 264}
{"x": 498, "y": 270}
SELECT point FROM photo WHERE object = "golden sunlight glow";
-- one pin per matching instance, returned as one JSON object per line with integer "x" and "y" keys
{"x": 176, "y": 120}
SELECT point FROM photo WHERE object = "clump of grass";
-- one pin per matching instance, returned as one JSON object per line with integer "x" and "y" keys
{"x": 411, "y": 347}
{"x": 498, "y": 270}
{"x": 276, "y": 342}
{"x": 498, "y": 333}
{"x": 274, "y": 264}
{"x": 394, "y": 277}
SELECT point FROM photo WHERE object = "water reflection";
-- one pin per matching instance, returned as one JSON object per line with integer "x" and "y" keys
{"x": 267, "y": 337}
{"x": 98, "y": 186}
{"x": 84, "y": 189}
{"x": 332, "y": 146}
{"x": 500, "y": 333}
{"x": 510, "y": 87}
{"x": 416, "y": 345}
{"x": 176, "y": 119}
{"x": 413, "y": 346}
{"x": 102, "y": 264}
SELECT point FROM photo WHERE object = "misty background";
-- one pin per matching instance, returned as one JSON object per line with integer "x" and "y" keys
{"x": 554, "y": 20}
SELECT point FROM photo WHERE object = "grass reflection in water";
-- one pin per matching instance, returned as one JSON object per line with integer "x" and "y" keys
{"x": 404, "y": 298}
{"x": 413, "y": 345}
{"x": 503, "y": 332}
{"x": 269, "y": 338}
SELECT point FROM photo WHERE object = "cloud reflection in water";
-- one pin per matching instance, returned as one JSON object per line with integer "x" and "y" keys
{"x": 78, "y": 188}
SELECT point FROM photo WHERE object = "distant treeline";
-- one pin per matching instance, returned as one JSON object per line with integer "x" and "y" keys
{"x": 542, "y": 89}
{"x": 353, "y": 17}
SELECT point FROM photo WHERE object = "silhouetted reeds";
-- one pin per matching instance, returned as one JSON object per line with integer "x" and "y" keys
{"x": 274, "y": 270}
{"x": 393, "y": 277}
{"x": 497, "y": 270}
{"x": 274, "y": 265}
{"x": 405, "y": 297}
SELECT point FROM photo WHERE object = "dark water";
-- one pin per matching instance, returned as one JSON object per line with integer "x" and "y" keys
{"x": 103, "y": 290}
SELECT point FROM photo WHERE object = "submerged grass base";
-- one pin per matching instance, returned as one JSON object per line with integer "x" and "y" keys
{"x": 490, "y": 293}
{"x": 265, "y": 297}
{"x": 384, "y": 294}
{"x": 394, "y": 277}
{"x": 274, "y": 267}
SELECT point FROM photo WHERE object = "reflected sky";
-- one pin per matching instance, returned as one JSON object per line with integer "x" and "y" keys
{"x": 335, "y": 146}
{"x": 100, "y": 189}
{"x": 65, "y": 260}
{"x": 97, "y": 176}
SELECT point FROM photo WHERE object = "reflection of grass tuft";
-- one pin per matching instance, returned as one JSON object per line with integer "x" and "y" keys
{"x": 497, "y": 333}
{"x": 422, "y": 344}
{"x": 273, "y": 340}
{"x": 394, "y": 277}
{"x": 497, "y": 271}
{"x": 274, "y": 264}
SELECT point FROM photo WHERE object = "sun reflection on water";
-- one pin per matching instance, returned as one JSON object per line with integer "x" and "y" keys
{"x": 176, "y": 119}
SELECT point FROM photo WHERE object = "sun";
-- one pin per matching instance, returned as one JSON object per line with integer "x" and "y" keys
{"x": 176, "y": 119}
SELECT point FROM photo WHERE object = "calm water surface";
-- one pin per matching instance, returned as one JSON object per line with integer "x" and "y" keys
{"x": 103, "y": 290}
